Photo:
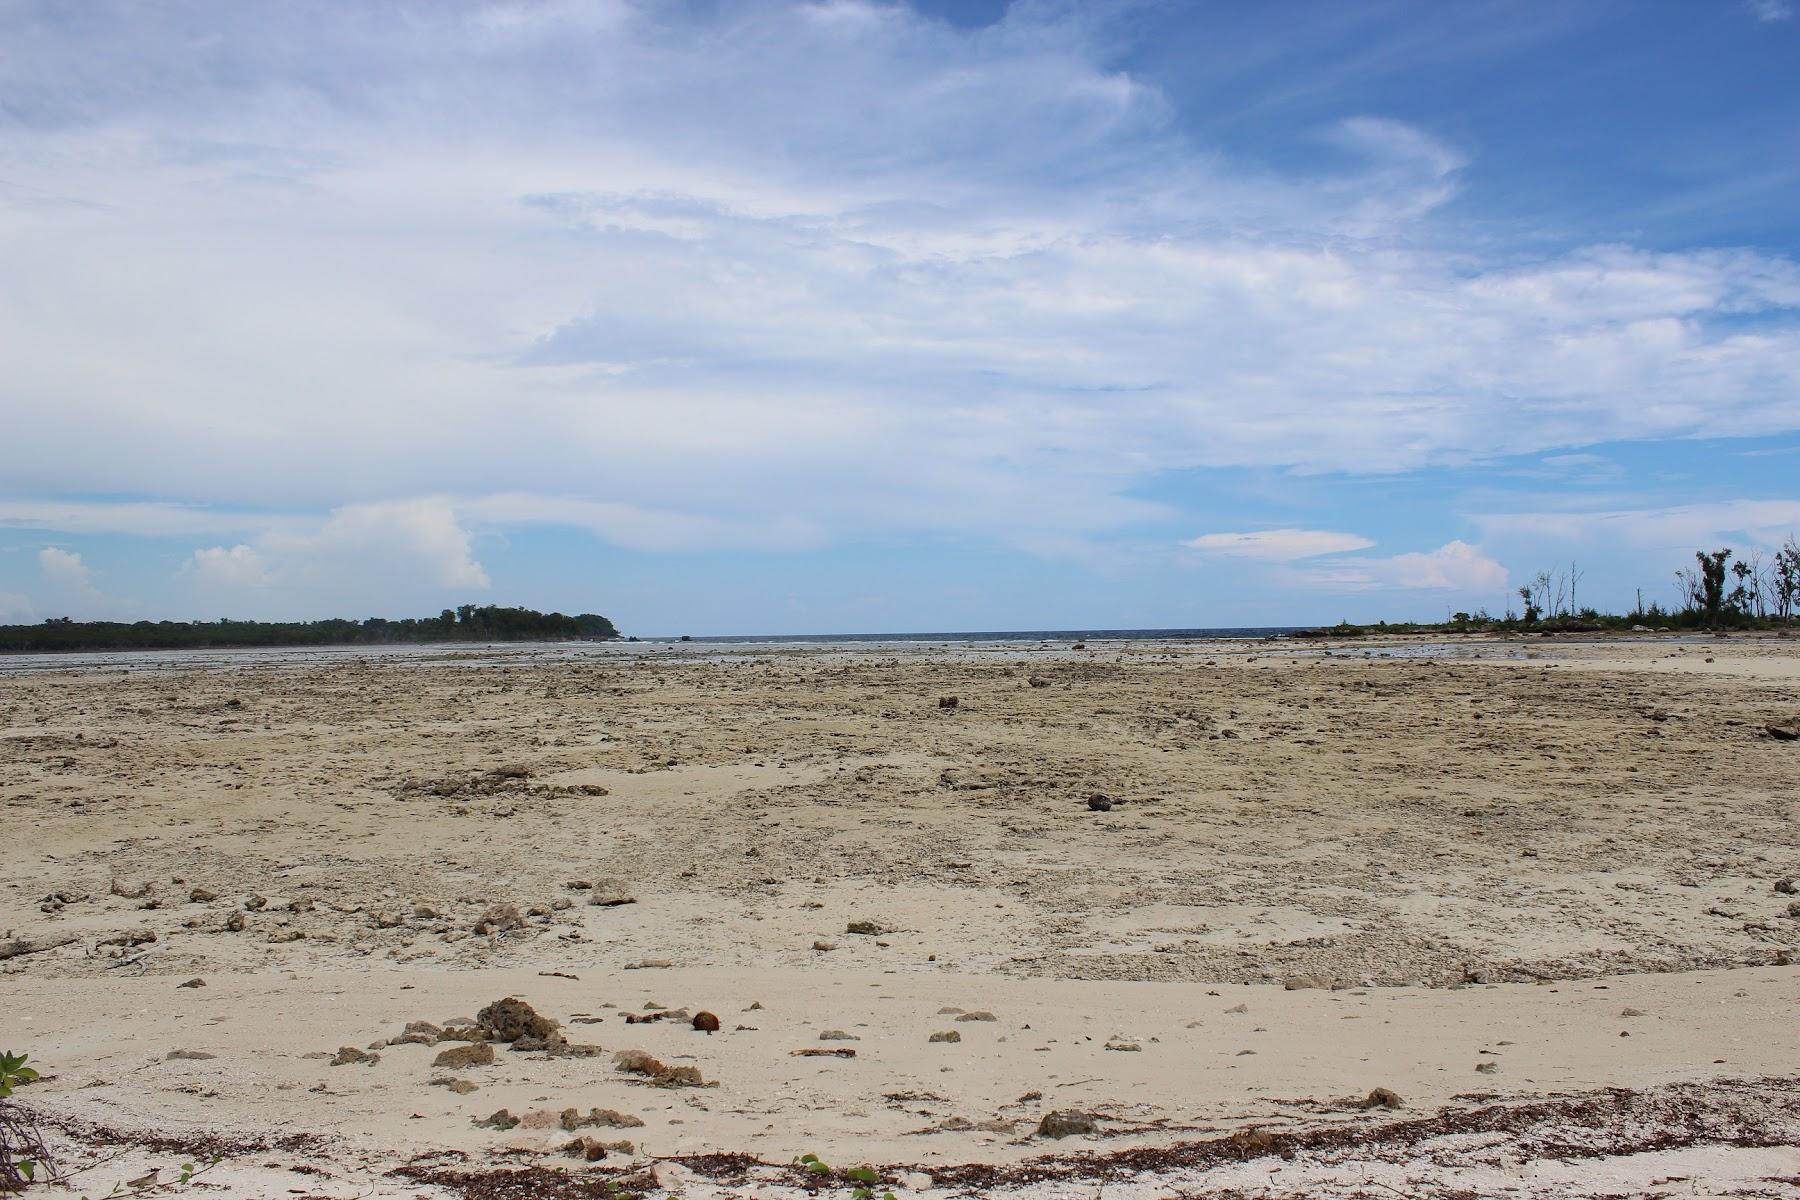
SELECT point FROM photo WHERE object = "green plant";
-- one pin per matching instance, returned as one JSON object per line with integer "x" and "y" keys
{"x": 22, "y": 1149}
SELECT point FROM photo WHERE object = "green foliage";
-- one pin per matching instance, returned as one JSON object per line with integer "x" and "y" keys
{"x": 14, "y": 1072}
{"x": 468, "y": 623}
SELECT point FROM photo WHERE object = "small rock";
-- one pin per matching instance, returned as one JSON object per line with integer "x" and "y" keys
{"x": 187, "y": 1055}
{"x": 611, "y": 899}
{"x": 499, "y": 918}
{"x": 823, "y": 946}
{"x": 1066, "y": 1123}
{"x": 1787, "y": 731}
{"x": 461, "y": 1087}
{"x": 1488, "y": 1068}
{"x": 1788, "y": 887}
{"x": 511, "y": 1018}
{"x": 978, "y": 1016}
{"x": 348, "y": 1055}
{"x": 1383, "y": 1098}
{"x": 948, "y": 1035}
{"x": 706, "y": 1022}
{"x": 236, "y": 923}
{"x": 1631, "y": 1012}
{"x": 502, "y": 1120}
{"x": 130, "y": 891}
{"x": 1302, "y": 982}
{"x": 1126, "y": 1046}
{"x": 193, "y": 983}
{"x": 838, "y": 1035}
{"x": 865, "y": 928}
{"x": 1098, "y": 803}
{"x": 947, "y": 701}
{"x": 255, "y": 903}
{"x": 475, "y": 1054}
{"x": 202, "y": 896}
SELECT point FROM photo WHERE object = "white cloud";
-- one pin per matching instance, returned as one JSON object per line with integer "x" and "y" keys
{"x": 411, "y": 554}
{"x": 1455, "y": 567}
{"x": 1280, "y": 545}
{"x": 1677, "y": 529}
{"x": 793, "y": 275}
{"x": 1770, "y": 11}
{"x": 64, "y": 569}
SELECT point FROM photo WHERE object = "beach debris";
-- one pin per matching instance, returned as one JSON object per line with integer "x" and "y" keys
{"x": 639, "y": 1062}
{"x": 593, "y": 1150}
{"x": 461, "y": 1087}
{"x": 18, "y": 947}
{"x": 705, "y": 1022}
{"x": 457, "y": 1058}
{"x": 1383, "y": 1098}
{"x": 502, "y": 1120}
{"x": 608, "y": 1118}
{"x": 1067, "y": 1122}
{"x": 511, "y": 1018}
{"x": 417, "y": 1033}
{"x": 499, "y": 918}
{"x": 947, "y": 1035}
{"x": 350, "y": 1055}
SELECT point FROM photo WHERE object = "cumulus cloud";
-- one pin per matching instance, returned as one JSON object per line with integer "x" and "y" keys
{"x": 1280, "y": 545}
{"x": 64, "y": 569}
{"x": 374, "y": 556}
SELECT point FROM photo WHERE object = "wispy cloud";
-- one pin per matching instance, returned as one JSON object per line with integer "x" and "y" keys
{"x": 1279, "y": 545}
{"x": 1770, "y": 11}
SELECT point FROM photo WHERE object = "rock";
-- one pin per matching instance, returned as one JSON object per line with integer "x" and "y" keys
{"x": 1126, "y": 1046}
{"x": 978, "y": 1016}
{"x": 425, "y": 912}
{"x": 501, "y": 1120}
{"x": 1066, "y": 1123}
{"x": 947, "y": 702}
{"x": 1037, "y": 681}
{"x": 509, "y": 1019}
{"x": 237, "y": 922}
{"x": 510, "y": 771}
{"x": 607, "y": 1117}
{"x": 611, "y": 899}
{"x": 917, "y": 1181}
{"x": 865, "y": 928}
{"x": 649, "y": 964}
{"x": 475, "y": 1054}
{"x": 1302, "y": 982}
{"x": 1488, "y": 1068}
{"x": 706, "y": 1022}
{"x": 187, "y": 1056}
{"x": 591, "y": 1149}
{"x": 192, "y": 983}
{"x": 1238, "y": 1008}
{"x": 1788, "y": 887}
{"x": 417, "y": 1033}
{"x": 127, "y": 939}
{"x": 386, "y": 920}
{"x": 838, "y": 1035}
{"x": 823, "y": 946}
{"x": 948, "y": 1035}
{"x": 18, "y": 947}
{"x": 348, "y": 1055}
{"x": 202, "y": 896}
{"x": 461, "y": 1087}
{"x": 637, "y": 1062}
{"x": 1383, "y": 1098}
{"x": 130, "y": 891}
{"x": 1787, "y": 731}
{"x": 1099, "y": 803}
{"x": 1794, "y": 909}
{"x": 255, "y": 903}
{"x": 499, "y": 918}
{"x": 1631, "y": 1012}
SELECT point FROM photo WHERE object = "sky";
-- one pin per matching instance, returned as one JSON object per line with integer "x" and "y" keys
{"x": 845, "y": 316}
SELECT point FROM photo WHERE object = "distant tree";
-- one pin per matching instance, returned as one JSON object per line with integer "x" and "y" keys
{"x": 1712, "y": 582}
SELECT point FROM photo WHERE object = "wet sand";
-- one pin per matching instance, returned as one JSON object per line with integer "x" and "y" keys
{"x": 1498, "y": 880}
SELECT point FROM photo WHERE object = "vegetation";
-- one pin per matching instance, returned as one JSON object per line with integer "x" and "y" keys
{"x": 465, "y": 624}
{"x": 1756, "y": 591}
{"x": 21, "y": 1149}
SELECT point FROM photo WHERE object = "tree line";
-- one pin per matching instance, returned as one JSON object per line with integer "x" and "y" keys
{"x": 1758, "y": 590}
{"x": 468, "y": 623}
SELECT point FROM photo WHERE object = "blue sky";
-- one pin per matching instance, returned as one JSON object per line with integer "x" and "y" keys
{"x": 850, "y": 316}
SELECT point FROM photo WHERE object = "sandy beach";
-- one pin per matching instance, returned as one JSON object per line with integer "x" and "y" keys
{"x": 1139, "y": 919}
